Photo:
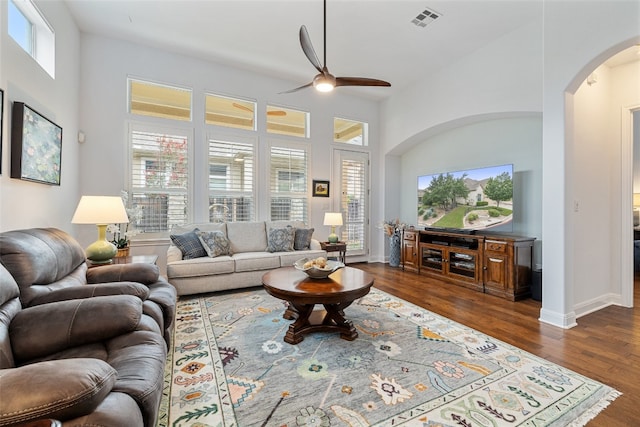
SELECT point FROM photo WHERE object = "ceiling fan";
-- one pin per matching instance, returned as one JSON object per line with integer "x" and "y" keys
{"x": 325, "y": 81}
{"x": 249, "y": 110}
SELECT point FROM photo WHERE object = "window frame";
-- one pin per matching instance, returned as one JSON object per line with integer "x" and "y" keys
{"x": 172, "y": 128}
{"x": 272, "y": 168}
{"x": 42, "y": 46}
{"x": 231, "y": 192}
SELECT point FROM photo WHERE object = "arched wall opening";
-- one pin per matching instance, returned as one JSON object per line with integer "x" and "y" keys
{"x": 600, "y": 102}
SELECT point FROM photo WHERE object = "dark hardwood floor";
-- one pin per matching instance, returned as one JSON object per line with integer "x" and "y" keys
{"x": 605, "y": 346}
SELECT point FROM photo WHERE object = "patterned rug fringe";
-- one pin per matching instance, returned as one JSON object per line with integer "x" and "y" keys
{"x": 595, "y": 410}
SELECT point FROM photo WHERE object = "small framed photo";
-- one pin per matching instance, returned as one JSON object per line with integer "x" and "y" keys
{"x": 36, "y": 146}
{"x": 320, "y": 188}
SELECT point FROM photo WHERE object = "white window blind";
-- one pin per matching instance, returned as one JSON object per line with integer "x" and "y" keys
{"x": 231, "y": 181}
{"x": 288, "y": 183}
{"x": 159, "y": 177}
{"x": 353, "y": 202}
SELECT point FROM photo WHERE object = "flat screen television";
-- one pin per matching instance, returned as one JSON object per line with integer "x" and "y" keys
{"x": 467, "y": 200}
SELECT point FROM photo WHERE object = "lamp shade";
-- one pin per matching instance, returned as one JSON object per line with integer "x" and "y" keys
{"x": 636, "y": 199}
{"x": 100, "y": 210}
{"x": 332, "y": 218}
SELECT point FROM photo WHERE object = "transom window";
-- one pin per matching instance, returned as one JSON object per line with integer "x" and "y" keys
{"x": 158, "y": 100}
{"x": 286, "y": 121}
{"x": 230, "y": 112}
{"x": 32, "y": 32}
{"x": 349, "y": 132}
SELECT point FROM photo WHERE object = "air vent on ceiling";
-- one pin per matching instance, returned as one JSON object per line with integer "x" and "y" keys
{"x": 425, "y": 17}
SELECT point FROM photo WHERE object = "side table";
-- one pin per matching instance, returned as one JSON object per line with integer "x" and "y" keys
{"x": 340, "y": 247}
{"x": 129, "y": 259}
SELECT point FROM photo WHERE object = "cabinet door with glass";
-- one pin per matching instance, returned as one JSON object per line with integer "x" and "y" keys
{"x": 432, "y": 259}
{"x": 463, "y": 264}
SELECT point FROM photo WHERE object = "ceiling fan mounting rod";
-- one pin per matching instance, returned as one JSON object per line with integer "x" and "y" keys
{"x": 324, "y": 62}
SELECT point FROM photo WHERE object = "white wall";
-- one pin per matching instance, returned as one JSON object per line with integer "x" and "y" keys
{"x": 25, "y": 204}
{"x": 534, "y": 69}
{"x": 106, "y": 64}
{"x": 516, "y": 140}
{"x": 578, "y": 38}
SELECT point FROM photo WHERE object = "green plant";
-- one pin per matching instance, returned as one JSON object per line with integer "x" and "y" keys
{"x": 472, "y": 217}
{"x": 494, "y": 213}
{"x": 482, "y": 203}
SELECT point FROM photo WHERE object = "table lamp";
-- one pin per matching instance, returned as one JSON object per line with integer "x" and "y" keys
{"x": 333, "y": 219}
{"x": 102, "y": 211}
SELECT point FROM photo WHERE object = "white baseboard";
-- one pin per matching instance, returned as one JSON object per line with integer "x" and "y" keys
{"x": 564, "y": 321}
{"x": 596, "y": 304}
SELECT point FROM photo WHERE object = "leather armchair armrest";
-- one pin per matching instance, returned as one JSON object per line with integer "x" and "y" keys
{"x": 62, "y": 389}
{"x": 90, "y": 291}
{"x": 46, "y": 329}
{"x": 41, "y": 423}
{"x": 141, "y": 273}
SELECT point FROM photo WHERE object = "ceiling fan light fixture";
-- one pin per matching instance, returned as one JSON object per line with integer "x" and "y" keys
{"x": 324, "y": 82}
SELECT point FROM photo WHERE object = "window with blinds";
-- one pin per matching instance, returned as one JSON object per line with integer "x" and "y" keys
{"x": 159, "y": 177}
{"x": 231, "y": 181}
{"x": 288, "y": 183}
{"x": 354, "y": 201}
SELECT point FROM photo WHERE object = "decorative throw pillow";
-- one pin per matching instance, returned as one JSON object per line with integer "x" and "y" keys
{"x": 281, "y": 239}
{"x": 189, "y": 244}
{"x": 215, "y": 243}
{"x": 302, "y": 240}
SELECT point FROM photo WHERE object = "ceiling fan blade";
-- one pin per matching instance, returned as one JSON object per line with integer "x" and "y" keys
{"x": 307, "y": 48}
{"x": 296, "y": 89}
{"x": 360, "y": 81}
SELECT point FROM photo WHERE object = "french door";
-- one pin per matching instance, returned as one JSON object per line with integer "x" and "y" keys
{"x": 351, "y": 169}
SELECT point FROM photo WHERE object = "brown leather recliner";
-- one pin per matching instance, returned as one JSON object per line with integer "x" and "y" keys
{"x": 86, "y": 362}
{"x": 49, "y": 265}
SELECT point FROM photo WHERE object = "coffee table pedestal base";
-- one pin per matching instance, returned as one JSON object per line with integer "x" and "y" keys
{"x": 331, "y": 320}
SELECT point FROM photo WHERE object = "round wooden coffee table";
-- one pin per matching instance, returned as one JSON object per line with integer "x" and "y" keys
{"x": 335, "y": 293}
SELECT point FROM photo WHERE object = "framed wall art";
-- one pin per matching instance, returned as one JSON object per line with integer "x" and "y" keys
{"x": 36, "y": 146}
{"x": 320, "y": 188}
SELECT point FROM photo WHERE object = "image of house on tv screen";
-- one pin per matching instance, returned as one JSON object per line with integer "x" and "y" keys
{"x": 473, "y": 199}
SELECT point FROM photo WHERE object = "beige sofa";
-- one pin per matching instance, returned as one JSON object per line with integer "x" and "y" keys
{"x": 249, "y": 259}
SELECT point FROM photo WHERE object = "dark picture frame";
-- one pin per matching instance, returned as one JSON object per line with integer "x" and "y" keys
{"x": 1, "y": 125}
{"x": 320, "y": 188}
{"x": 36, "y": 146}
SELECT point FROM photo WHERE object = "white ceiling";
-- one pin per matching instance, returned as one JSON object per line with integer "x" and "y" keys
{"x": 365, "y": 38}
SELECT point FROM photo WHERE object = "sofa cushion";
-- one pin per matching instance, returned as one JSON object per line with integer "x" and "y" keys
{"x": 247, "y": 236}
{"x": 215, "y": 243}
{"x": 201, "y": 267}
{"x": 251, "y": 261}
{"x": 302, "y": 240}
{"x": 189, "y": 244}
{"x": 62, "y": 389}
{"x": 281, "y": 239}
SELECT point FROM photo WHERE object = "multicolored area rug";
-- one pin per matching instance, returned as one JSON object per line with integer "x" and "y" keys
{"x": 408, "y": 367}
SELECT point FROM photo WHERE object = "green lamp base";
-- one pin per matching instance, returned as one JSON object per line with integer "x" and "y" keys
{"x": 333, "y": 237}
{"x": 101, "y": 251}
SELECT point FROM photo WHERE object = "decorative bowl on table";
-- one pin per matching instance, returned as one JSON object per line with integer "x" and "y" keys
{"x": 318, "y": 268}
